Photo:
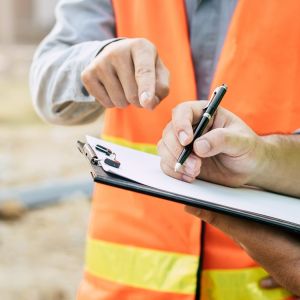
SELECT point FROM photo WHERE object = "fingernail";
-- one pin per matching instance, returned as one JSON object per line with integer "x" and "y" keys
{"x": 145, "y": 99}
{"x": 266, "y": 283}
{"x": 202, "y": 146}
{"x": 183, "y": 137}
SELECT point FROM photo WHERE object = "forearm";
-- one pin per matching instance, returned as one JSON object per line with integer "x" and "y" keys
{"x": 56, "y": 87}
{"x": 278, "y": 252}
{"x": 280, "y": 167}
{"x": 83, "y": 27}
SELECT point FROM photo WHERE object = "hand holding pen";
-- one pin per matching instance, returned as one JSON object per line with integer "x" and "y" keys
{"x": 229, "y": 153}
{"x": 200, "y": 127}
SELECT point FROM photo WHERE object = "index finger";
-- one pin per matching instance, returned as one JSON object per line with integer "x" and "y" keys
{"x": 183, "y": 118}
{"x": 144, "y": 58}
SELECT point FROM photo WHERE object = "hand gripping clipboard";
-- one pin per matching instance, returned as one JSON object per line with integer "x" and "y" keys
{"x": 256, "y": 205}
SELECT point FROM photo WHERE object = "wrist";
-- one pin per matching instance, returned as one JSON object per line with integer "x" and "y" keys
{"x": 278, "y": 171}
{"x": 264, "y": 156}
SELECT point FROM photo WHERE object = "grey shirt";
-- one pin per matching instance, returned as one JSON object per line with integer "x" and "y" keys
{"x": 85, "y": 26}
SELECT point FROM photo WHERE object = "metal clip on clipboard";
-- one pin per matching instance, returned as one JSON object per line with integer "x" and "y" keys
{"x": 90, "y": 154}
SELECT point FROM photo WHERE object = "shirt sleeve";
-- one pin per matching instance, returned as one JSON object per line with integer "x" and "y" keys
{"x": 83, "y": 28}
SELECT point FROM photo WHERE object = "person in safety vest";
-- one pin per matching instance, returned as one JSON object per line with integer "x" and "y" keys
{"x": 116, "y": 55}
{"x": 233, "y": 155}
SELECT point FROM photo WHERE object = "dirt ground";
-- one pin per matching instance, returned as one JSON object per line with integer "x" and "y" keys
{"x": 41, "y": 253}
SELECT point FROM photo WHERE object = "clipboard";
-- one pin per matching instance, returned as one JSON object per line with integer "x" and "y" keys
{"x": 108, "y": 175}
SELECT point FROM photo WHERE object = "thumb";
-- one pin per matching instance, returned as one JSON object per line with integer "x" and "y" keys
{"x": 220, "y": 140}
{"x": 232, "y": 226}
{"x": 229, "y": 225}
{"x": 183, "y": 117}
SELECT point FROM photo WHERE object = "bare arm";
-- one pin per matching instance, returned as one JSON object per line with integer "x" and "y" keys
{"x": 278, "y": 252}
{"x": 231, "y": 153}
{"x": 280, "y": 165}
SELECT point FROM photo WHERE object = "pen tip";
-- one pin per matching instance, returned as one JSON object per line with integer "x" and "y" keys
{"x": 177, "y": 167}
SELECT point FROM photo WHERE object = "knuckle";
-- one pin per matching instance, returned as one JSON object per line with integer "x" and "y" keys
{"x": 145, "y": 43}
{"x": 98, "y": 67}
{"x": 138, "y": 42}
{"x": 86, "y": 77}
{"x": 108, "y": 53}
{"x": 142, "y": 71}
{"x": 178, "y": 109}
{"x": 110, "y": 57}
{"x": 105, "y": 59}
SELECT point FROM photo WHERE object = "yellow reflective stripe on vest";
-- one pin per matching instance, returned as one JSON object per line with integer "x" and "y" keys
{"x": 149, "y": 148}
{"x": 173, "y": 272}
{"x": 142, "y": 268}
{"x": 238, "y": 284}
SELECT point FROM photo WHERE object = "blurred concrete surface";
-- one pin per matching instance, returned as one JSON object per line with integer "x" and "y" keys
{"x": 41, "y": 253}
{"x": 25, "y": 21}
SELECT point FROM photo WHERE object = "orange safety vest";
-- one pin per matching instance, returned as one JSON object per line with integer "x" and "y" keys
{"x": 141, "y": 247}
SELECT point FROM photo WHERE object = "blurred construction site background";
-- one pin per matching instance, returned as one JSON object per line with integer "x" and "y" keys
{"x": 44, "y": 182}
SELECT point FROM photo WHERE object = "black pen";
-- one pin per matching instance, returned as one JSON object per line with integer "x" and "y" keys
{"x": 208, "y": 112}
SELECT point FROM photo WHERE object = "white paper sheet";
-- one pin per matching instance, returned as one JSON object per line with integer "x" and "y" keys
{"x": 145, "y": 168}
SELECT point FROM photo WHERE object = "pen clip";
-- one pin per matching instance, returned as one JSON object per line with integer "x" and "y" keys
{"x": 211, "y": 98}
{"x": 104, "y": 150}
